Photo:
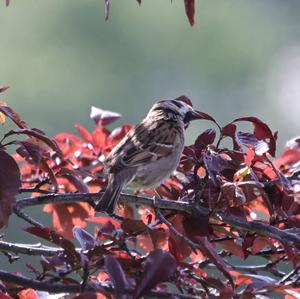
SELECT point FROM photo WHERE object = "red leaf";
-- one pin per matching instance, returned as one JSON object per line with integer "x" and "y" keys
{"x": 84, "y": 133}
{"x": 4, "y": 296}
{"x": 100, "y": 136}
{"x": 290, "y": 155}
{"x": 210, "y": 252}
{"x": 190, "y": 10}
{"x": 233, "y": 248}
{"x": 178, "y": 247}
{"x": 159, "y": 266}
{"x": 66, "y": 216}
{"x": 103, "y": 117}
{"x": 28, "y": 294}
{"x": 9, "y": 185}
{"x": 116, "y": 275}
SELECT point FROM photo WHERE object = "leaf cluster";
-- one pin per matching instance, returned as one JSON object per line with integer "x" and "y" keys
{"x": 230, "y": 197}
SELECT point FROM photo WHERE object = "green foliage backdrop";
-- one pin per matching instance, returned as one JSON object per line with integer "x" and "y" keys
{"x": 61, "y": 57}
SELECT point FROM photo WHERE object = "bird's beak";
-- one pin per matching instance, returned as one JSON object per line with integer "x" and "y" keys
{"x": 191, "y": 115}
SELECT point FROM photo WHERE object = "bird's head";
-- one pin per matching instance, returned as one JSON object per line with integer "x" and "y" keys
{"x": 178, "y": 109}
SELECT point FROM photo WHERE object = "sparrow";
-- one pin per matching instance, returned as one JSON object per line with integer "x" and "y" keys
{"x": 149, "y": 153}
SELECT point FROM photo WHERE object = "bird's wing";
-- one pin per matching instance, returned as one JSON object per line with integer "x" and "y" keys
{"x": 144, "y": 144}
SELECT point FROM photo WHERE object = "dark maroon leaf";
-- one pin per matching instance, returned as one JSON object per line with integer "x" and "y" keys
{"x": 3, "y": 88}
{"x": 52, "y": 236}
{"x": 190, "y": 10}
{"x": 206, "y": 116}
{"x": 116, "y": 275}
{"x": 37, "y": 134}
{"x": 13, "y": 116}
{"x": 261, "y": 132}
{"x": 210, "y": 252}
{"x": 107, "y": 9}
{"x": 31, "y": 152}
{"x": 196, "y": 226}
{"x": 103, "y": 117}
{"x": 9, "y": 185}
{"x": 131, "y": 226}
{"x": 214, "y": 163}
{"x": 86, "y": 240}
{"x": 74, "y": 179}
{"x": 204, "y": 139}
{"x": 185, "y": 99}
{"x": 45, "y": 167}
{"x": 159, "y": 266}
{"x": 229, "y": 131}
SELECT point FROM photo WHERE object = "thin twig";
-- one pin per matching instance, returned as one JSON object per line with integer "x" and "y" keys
{"x": 160, "y": 216}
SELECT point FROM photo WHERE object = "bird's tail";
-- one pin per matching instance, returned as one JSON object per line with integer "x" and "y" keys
{"x": 110, "y": 197}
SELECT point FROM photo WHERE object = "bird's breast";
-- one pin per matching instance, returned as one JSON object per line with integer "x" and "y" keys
{"x": 154, "y": 173}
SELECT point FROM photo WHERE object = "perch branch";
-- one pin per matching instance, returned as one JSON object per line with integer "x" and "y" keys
{"x": 257, "y": 227}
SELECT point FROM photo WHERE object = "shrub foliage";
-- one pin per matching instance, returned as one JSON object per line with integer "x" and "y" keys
{"x": 228, "y": 201}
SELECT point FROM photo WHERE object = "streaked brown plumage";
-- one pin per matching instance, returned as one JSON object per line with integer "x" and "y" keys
{"x": 149, "y": 153}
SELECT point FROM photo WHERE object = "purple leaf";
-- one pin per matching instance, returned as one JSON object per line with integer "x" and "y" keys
{"x": 261, "y": 132}
{"x": 13, "y": 116}
{"x": 107, "y": 9}
{"x": 74, "y": 179}
{"x": 116, "y": 275}
{"x": 86, "y": 240}
{"x": 260, "y": 146}
{"x": 103, "y": 117}
{"x": 9, "y": 185}
{"x": 159, "y": 266}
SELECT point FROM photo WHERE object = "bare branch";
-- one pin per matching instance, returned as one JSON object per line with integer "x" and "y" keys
{"x": 76, "y": 288}
{"x": 260, "y": 228}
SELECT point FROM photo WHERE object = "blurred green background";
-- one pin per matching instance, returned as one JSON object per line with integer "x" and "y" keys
{"x": 242, "y": 58}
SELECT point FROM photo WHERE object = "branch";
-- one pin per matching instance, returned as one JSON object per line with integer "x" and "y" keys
{"x": 30, "y": 249}
{"x": 257, "y": 227}
{"x": 76, "y": 288}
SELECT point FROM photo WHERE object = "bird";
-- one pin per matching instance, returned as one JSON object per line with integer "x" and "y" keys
{"x": 150, "y": 152}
